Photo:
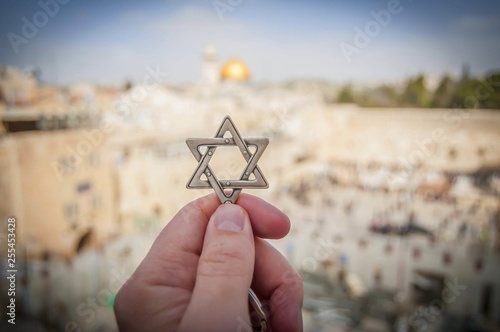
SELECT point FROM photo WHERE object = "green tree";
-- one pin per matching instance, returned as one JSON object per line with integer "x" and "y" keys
{"x": 442, "y": 95}
{"x": 128, "y": 85}
{"x": 492, "y": 86}
{"x": 464, "y": 94}
{"x": 415, "y": 93}
{"x": 346, "y": 95}
{"x": 472, "y": 92}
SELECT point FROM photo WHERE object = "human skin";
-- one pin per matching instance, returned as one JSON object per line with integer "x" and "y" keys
{"x": 197, "y": 273}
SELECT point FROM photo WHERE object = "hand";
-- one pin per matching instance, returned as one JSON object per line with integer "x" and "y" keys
{"x": 197, "y": 273}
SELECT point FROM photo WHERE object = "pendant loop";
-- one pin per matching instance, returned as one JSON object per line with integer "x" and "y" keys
{"x": 262, "y": 327}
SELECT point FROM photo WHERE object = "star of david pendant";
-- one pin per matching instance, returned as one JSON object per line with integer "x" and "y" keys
{"x": 211, "y": 144}
{"x": 236, "y": 185}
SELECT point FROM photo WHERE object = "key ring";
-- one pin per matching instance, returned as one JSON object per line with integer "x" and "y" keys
{"x": 257, "y": 306}
{"x": 236, "y": 186}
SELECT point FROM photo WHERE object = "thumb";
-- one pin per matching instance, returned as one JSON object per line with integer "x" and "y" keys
{"x": 220, "y": 297}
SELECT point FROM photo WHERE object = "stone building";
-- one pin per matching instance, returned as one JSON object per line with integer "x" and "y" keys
{"x": 16, "y": 87}
{"x": 57, "y": 182}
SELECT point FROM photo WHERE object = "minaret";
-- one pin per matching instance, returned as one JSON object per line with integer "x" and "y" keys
{"x": 210, "y": 67}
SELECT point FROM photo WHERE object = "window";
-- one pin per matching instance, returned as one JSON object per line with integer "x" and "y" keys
{"x": 83, "y": 187}
{"x": 71, "y": 210}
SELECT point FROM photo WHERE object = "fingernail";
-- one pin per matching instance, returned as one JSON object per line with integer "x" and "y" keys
{"x": 229, "y": 217}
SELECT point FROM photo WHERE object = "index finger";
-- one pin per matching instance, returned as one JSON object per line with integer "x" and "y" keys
{"x": 277, "y": 282}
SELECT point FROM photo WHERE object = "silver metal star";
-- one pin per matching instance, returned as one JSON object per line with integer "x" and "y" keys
{"x": 203, "y": 159}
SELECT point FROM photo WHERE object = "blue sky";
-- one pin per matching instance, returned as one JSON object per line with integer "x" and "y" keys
{"x": 109, "y": 41}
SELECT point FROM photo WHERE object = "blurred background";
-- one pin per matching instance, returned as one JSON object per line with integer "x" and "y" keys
{"x": 384, "y": 127}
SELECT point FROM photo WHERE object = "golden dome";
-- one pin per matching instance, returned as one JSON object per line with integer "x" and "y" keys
{"x": 235, "y": 70}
